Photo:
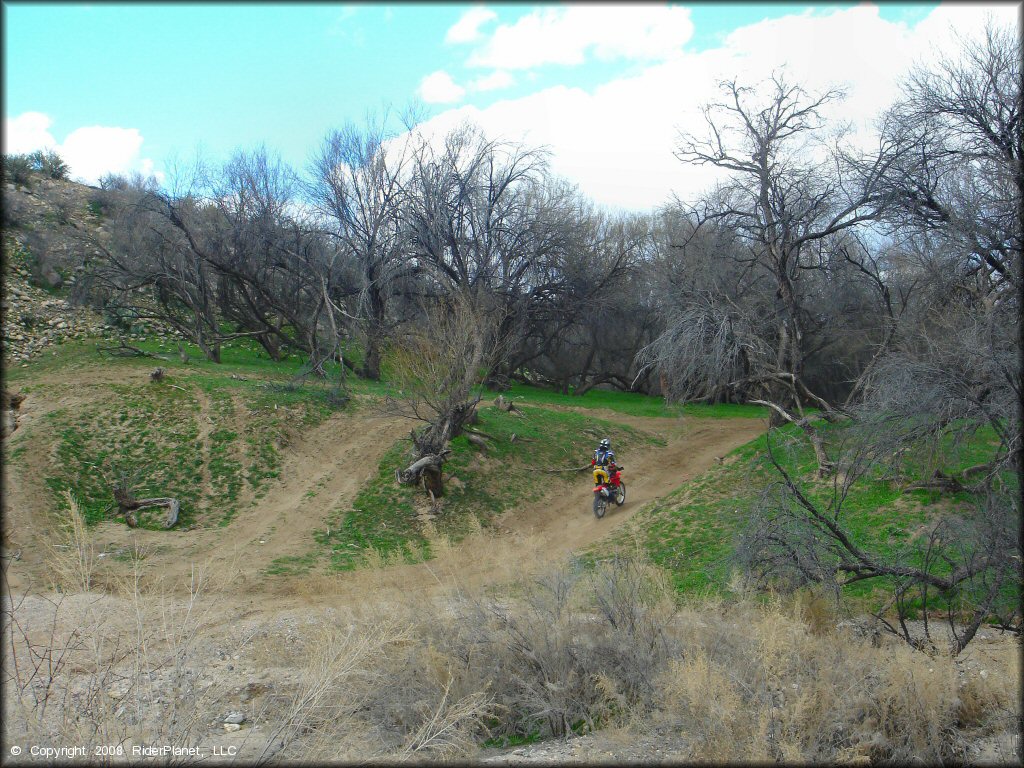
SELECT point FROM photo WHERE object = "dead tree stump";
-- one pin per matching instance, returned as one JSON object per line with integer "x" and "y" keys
{"x": 129, "y": 506}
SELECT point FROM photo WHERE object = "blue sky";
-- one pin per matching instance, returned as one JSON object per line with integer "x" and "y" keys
{"x": 168, "y": 79}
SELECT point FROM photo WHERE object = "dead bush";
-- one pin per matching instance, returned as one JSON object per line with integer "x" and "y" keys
{"x": 72, "y": 555}
{"x": 574, "y": 650}
{"x": 760, "y": 684}
{"x": 321, "y": 718}
{"x": 103, "y": 669}
{"x": 413, "y": 675}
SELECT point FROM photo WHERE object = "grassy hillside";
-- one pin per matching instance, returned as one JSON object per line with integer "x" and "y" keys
{"x": 214, "y": 436}
{"x": 210, "y": 436}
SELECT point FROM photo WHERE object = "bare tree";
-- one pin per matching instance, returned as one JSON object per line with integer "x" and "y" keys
{"x": 964, "y": 181}
{"x": 226, "y": 255}
{"x": 944, "y": 375}
{"x": 268, "y": 262}
{"x": 788, "y": 198}
{"x": 358, "y": 188}
{"x": 589, "y": 315}
{"x": 152, "y": 268}
{"x": 482, "y": 219}
{"x": 967, "y": 566}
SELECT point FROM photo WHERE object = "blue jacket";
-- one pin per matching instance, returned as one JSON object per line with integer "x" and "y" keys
{"x": 603, "y": 457}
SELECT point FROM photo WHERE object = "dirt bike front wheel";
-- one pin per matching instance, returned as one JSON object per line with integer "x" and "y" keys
{"x": 600, "y": 505}
{"x": 620, "y": 496}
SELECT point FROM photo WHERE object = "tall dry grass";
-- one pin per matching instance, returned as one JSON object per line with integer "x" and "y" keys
{"x": 72, "y": 551}
{"x": 116, "y": 668}
{"x": 424, "y": 662}
{"x": 769, "y": 682}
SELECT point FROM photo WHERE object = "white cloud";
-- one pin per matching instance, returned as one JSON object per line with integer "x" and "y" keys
{"x": 439, "y": 88}
{"x": 493, "y": 82}
{"x": 27, "y": 132}
{"x": 90, "y": 152}
{"x": 568, "y": 35}
{"x": 96, "y": 150}
{"x": 616, "y": 140}
{"x": 467, "y": 28}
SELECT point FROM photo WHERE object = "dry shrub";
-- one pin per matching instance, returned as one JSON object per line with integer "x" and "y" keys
{"x": 440, "y": 659}
{"x": 817, "y": 612}
{"x": 575, "y": 649}
{"x": 104, "y": 669}
{"x": 989, "y": 697}
{"x": 449, "y": 730}
{"x": 321, "y": 718}
{"x": 72, "y": 558}
{"x": 759, "y": 684}
{"x": 704, "y": 698}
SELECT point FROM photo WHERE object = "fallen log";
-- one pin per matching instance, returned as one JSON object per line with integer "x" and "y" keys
{"x": 130, "y": 508}
{"x": 425, "y": 471}
{"x": 127, "y": 350}
{"x": 411, "y": 474}
{"x": 505, "y": 405}
{"x": 476, "y": 440}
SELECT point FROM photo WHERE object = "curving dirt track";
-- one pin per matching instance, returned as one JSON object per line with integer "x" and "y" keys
{"x": 563, "y": 519}
{"x": 324, "y": 470}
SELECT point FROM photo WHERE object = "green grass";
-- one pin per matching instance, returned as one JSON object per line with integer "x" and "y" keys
{"x": 126, "y": 433}
{"x": 630, "y": 403}
{"x": 256, "y": 405}
{"x": 692, "y": 532}
{"x": 512, "y": 740}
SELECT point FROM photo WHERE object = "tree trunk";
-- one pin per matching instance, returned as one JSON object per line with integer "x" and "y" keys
{"x": 371, "y": 363}
{"x": 433, "y": 480}
{"x": 134, "y": 506}
{"x": 825, "y": 465}
{"x": 427, "y": 470}
{"x": 273, "y": 349}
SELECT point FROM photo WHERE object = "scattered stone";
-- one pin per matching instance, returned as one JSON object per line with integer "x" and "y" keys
{"x": 236, "y": 718}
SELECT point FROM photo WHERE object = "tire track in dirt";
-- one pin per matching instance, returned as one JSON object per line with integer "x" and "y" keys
{"x": 541, "y": 533}
{"x": 27, "y": 503}
{"x": 324, "y": 471}
{"x": 204, "y": 422}
{"x": 327, "y": 465}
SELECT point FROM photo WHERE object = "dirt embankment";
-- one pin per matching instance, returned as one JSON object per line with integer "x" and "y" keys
{"x": 563, "y": 518}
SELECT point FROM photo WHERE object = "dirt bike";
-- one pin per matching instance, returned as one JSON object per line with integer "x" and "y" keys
{"x": 608, "y": 487}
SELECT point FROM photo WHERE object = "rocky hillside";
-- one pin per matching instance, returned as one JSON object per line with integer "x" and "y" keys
{"x": 48, "y": 225}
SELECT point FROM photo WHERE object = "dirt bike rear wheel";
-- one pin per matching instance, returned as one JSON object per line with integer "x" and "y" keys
{"x": 600, "y": 505}
{"x": 620, "y": 495}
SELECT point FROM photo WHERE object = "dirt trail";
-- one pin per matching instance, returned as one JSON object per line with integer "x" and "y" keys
{"x": 564, "y": 518}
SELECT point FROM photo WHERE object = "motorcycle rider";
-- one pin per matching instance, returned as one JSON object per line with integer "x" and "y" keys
{"x": 604, "y": 456}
